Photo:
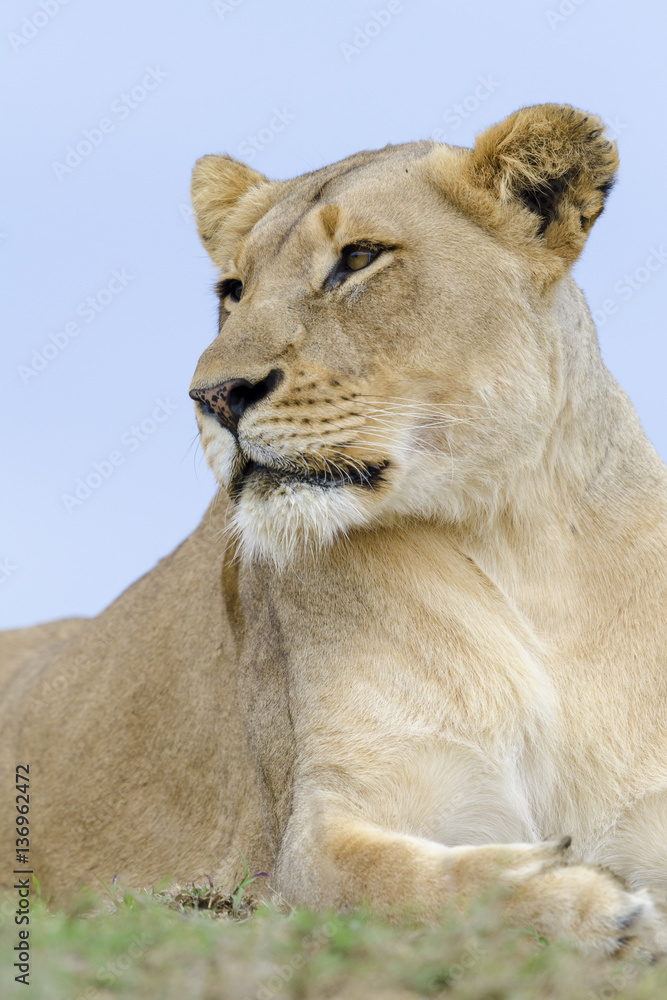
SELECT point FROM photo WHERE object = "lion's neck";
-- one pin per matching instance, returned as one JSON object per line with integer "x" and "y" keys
{"x": 580, "y": 532}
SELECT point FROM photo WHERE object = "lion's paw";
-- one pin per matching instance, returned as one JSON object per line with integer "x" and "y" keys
{"x": 577, "y": 903}
{"x": 591, "y": 908}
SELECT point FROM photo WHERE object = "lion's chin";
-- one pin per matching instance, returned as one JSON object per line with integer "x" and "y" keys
{"x": 282, "y": 512}
{"x": 283, "y": 522}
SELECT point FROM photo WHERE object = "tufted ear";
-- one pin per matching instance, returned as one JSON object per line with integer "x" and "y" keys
{"x": 540, "y": 175}
{"x": 228, "y": 197}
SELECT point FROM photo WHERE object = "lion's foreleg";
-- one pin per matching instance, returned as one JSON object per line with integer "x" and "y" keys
{"x": 343, "y": 862}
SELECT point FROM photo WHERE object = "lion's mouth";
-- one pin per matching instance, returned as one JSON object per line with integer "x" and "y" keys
{"x": 366, "y": 475}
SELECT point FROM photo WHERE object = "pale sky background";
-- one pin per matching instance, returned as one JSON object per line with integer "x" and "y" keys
{"x": 313, "y": 85}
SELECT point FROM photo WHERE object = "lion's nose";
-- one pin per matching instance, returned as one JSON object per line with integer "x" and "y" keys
{"x": 229, "y": 400}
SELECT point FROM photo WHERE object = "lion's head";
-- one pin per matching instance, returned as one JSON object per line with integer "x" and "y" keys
{"x": 391, "y": 326}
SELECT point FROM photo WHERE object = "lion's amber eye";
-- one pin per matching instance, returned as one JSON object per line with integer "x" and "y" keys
{"x": 355, "y": 257}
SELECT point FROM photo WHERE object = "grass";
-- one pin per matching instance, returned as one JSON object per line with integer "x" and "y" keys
{"x": 189, "y": 945}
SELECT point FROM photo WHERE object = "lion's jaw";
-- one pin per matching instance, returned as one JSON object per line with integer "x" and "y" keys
{"x": 287, "y": 505}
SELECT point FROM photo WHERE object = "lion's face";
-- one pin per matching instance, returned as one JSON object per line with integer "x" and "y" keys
{"x": 381, "y": 353}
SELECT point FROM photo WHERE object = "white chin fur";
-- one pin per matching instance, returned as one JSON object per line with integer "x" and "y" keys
{"x": 295, "y": 520}
{"x": 219, "y": 450}
{"x": 292, "y": 520}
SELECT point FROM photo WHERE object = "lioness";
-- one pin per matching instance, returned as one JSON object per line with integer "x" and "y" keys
{"x": 419, "y": 642}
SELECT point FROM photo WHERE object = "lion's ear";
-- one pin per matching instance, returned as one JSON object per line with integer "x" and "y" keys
{"x": 545, "y": 170}
{"x": 219, "y": 186}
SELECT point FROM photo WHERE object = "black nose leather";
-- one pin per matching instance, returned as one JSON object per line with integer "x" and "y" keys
{"x": 229, "y": 400}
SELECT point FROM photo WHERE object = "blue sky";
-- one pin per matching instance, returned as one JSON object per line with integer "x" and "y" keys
{"x": 107, "y": 295}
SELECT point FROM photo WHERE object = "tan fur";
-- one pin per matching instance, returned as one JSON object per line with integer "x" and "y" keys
{"x": 404, "y": 693}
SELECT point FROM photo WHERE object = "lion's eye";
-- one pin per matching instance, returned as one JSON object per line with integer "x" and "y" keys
{"x": 355, "y": 256}
{"x": 231, "y": 287}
